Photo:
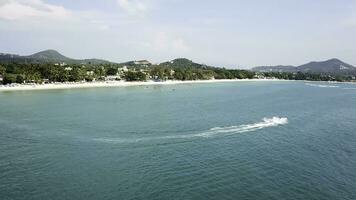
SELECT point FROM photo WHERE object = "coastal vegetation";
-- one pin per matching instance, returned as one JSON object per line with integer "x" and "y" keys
{"x": 308, "y": 76}
{"x": 178, "y": 69}
{"x": 50, "y": 66}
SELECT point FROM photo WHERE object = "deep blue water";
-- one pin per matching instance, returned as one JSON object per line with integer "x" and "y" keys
{"x": 191, "y": 141}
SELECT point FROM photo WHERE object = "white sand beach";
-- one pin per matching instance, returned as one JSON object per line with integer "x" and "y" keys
{"x": 73, "y": 85}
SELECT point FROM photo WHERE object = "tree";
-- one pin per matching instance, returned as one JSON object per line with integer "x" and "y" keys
{"x": 77, "y": 74}
{"x": 33, "y": 77}
{"x": 19, "y": 79}
{"x": 178, "y": 75}
{"x": 135, "y": 76}
{"x": 159, "y": 72}
{"x": 9, "y": 78}
{"x": 111, "y": 71}
{"x": 100, "y": 71}
{"x": 10, "y": 68}
{"x": 2, "y": 70}
{"x": 300, "y": 76}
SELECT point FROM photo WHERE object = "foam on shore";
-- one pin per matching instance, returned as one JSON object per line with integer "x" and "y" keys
{"x": 72, "y": 85}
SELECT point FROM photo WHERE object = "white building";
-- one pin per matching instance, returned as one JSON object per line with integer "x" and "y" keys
{"x": 142, "y": 62}
{"x": 90, "y": 73}
{"x": 122, "y": 69}
{"x": 60, "y": 64}
{"x": 259, "y": 76}
{"x": 112, "y": 78}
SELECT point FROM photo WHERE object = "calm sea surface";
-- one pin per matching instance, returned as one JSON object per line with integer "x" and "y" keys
{"x": 242, "y": 140}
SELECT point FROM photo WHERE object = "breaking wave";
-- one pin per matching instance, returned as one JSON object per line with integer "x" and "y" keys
{"x": 213, "y": 132}
{"x": 321, "y": 86}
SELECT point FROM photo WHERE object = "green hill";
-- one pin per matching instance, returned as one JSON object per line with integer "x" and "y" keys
{"x": 47, "y": 56}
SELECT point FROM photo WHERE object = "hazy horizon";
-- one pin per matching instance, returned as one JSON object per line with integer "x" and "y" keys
{"x": 226, "y": 33}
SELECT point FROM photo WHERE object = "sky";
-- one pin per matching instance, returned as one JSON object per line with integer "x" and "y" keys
{"x": 225, "y": 33}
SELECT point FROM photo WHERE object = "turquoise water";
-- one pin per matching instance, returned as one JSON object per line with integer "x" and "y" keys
{"x": 242, "y": 140}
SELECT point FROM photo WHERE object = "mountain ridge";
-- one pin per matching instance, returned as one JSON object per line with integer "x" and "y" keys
{"x": 330, "y": 66}
{"x": 48, "y": 56}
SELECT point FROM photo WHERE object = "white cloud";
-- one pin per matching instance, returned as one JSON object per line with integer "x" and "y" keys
{"x": 179, "y": 44}
{"x": 28, "y": 14}
{"x": 165, "y": 42}
{"x": 20, "y": 9}
{"x": 350, "y": 22}
{"x": 133, "y": 7}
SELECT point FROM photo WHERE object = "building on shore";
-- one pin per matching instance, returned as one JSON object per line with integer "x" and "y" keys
{"x": 90, "y": 73}
{"x": 122, "y": 69}
{"x": 113, "y": 78}
{"x": 60, "y": 64}
{"x": 142, "y": 62}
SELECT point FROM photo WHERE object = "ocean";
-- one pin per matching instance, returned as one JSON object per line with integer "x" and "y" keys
{"x": 236, "y": 140}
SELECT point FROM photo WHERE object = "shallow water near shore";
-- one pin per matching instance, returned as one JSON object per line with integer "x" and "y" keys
{"x": 235, "y": 140}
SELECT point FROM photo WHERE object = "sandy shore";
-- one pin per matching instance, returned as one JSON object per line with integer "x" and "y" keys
{"x": 51, "y": 86}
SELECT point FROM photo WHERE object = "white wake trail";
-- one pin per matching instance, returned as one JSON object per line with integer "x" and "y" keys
{"x": 321, "y": 86}
{"x": 266, "y": 122}
{"x": 213, "y": 132}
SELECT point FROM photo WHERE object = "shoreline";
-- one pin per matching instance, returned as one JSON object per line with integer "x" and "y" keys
{"x": 105, "y": 84}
